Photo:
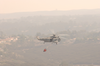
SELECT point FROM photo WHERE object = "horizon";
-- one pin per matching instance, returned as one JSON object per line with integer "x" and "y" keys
{"x": 13, "y": 6}
{"x": 49, "y": 11}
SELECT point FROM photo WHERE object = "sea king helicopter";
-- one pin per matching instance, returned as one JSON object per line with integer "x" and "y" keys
{"x": 53, "y": 38}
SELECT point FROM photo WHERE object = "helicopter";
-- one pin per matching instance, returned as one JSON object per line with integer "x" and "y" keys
{"x": 54, "y": 39}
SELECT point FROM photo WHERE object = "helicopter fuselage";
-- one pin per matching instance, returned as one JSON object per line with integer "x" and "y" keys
{"x": 54, "y": 40}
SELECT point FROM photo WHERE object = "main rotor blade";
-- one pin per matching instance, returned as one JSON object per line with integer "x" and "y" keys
{"x": 53, "y": 31}
{"x": 63, "y": 35}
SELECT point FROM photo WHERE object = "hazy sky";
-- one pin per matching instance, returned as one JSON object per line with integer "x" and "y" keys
{"x": 11, "y": 6}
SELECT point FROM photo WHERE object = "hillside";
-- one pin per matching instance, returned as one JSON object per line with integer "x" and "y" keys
{"x": 80, "y": 46}
{"x": 51, "y": 13}
{"x": 44, "y": 24}
{"x": 55, "y": 55}
{"x": 77, "y": 48}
